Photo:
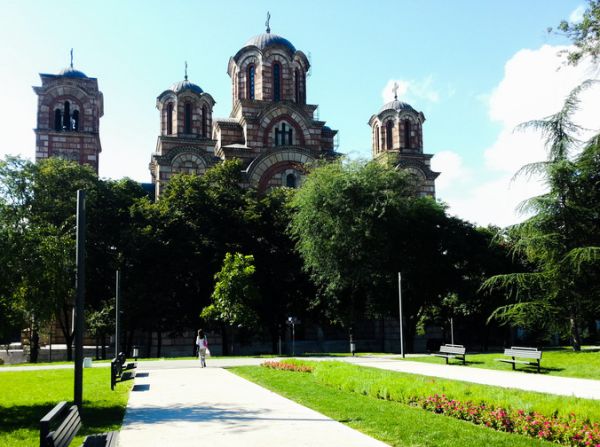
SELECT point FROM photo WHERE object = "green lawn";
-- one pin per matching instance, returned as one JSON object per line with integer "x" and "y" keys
{"x": 562, "y": 362}
{"x": 391, "y": 422}
{"x": 28, "y": 395}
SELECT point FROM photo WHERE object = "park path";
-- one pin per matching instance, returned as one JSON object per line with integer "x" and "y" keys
{"x": 195, "y": 406}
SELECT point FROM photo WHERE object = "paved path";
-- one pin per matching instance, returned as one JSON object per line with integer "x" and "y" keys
{"x": 213, "y": 407}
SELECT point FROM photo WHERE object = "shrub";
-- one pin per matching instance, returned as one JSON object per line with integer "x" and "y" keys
{"x": 289, "y": 366}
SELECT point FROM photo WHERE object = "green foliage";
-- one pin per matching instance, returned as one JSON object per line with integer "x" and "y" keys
{"x": 235, "y": 295}
{"x": 561, "y": 238}
{"x": 585, "y": 34}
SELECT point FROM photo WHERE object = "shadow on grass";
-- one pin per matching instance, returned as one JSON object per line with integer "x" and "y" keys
{"x": 28, "y": 417}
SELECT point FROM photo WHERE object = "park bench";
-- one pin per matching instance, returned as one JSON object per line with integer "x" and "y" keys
{"x": 121, "y": 370}
{"x": 448, "y": 352}
{"x": 68, "y": 422}
{"x": 516, "y": 352}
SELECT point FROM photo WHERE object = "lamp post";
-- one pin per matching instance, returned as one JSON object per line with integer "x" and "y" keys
{"x": 293, "y": 321}
{"x": 117, "y": 311}
{"x": 400, "y": 311}
{"x": 79, "y": 298}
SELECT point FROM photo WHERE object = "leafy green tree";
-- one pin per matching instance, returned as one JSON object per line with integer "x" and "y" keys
{"x": 560, "y": 238}
{"x": 235, "y": 297}
{"x": 584, "y": 34}
{"x": 100, "y": 323}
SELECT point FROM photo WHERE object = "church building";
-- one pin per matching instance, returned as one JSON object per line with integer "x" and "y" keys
{"x": 271, "y": 128}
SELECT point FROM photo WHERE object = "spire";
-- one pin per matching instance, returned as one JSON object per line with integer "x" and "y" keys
{"x": 395, "y": 90}
{"x": 267, "y": 22}
{"x": 71, "y": 58}
{"x": 186, "y": 77}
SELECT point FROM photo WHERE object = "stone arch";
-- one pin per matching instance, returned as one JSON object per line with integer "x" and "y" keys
{"x": 262, "y": 169}
{"x": 282, "y": 112}
{"x": 188, "y": 163}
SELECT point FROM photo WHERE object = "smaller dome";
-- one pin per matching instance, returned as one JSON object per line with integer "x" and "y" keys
{"x": 180, "y": 86}
{"x": 265, "y": 40}
{"x": 396, "y": 105}
{"x": 70, "y": 72}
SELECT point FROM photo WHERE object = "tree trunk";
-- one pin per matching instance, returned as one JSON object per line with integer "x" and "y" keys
{"x": 97, "y": 343}
{"x": 63, "y": 322}
{"x": 224, "y": 340}
{"x": 149, "y": 345}
{"x": 34, "y": 345}
{"x": 158, "y": 343}
{"x": 103, "y": 349}
{"x": 575, "y": 334}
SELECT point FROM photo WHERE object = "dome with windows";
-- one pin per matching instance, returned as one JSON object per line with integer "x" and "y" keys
{"x": 180, "y": 86}
{"x": 266, "y": 40}
{"x": 70, "y": 72}
{"x": 397, "y": 106}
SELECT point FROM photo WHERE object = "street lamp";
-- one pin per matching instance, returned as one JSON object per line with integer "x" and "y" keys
{"x": 293, "y": 321}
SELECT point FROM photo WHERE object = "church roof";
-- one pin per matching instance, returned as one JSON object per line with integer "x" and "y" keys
{"x": 396, "y": 105}
{"x": 70, "y": 72}
{"x": 186, "y": 85}
{"x": 264, "y": 40}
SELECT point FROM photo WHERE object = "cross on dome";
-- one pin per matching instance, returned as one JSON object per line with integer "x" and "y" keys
{"x": 267, "y": 22}
{"x": 395, "y": 90}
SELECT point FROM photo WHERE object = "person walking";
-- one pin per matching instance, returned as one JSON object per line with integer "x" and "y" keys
{"x": 202, "y": 343}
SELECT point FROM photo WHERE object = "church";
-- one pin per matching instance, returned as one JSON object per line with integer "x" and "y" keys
{"x": 271, "y": 129}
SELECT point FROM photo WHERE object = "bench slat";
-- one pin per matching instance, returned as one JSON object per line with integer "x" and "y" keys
{"x": 452, "y": 350}
{"x": 67, "y": 430}
{"x": 523, "y": 354}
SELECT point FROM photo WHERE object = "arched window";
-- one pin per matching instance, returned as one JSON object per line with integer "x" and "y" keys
{"x": 66, "y": 116}
{"x": 290, "y": 180}
{"x": 407, "y": 134}
{"x": 389, "y": 128}
{"x": 204, "y": 121}
{"x": 377, "y": 138}
{"x": 58, "y": 120}
{"x": 75, "y": 121}
{"x": 297, "y": 85}
{"x": 187, "y": 120}
{"x": 276, "y": 81}
{"x": 170, "y": 118}
{"x": 284, "y": 134}
{"x": 250, "y": 81}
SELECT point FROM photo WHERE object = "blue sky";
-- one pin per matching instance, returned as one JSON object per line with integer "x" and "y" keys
{"x": 475, "y": 68}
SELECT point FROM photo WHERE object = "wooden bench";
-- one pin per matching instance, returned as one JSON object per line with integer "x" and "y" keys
{"x": 121, "y": 370}
{"x": 452, "y": 351}
{"x": 516, "y": 352}
{"x": 68, "y": 422}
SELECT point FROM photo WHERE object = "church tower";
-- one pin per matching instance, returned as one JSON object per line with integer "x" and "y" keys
{"x": 397, "y": 140}
{"x": 271, "y": 128}
{"x": 68, "y": 117}
{"x": 185, "y": 142}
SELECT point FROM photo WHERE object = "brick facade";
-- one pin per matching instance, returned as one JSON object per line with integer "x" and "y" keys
{"x": 68, "y": 119}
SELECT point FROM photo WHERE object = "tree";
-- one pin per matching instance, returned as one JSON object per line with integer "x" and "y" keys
{"x": 584, "y": 34}
{"x": 556, "y": 239}
{"x": 235, "y": 297}
{"x": 356, "y": 225}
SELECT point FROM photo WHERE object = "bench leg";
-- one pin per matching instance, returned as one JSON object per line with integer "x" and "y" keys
{"x": 446, "y": 360}
{"x": 514, "y": 364}
{"x": 538, "y": 366}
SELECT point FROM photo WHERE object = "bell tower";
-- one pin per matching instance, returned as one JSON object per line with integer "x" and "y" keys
{"x": 397, "y": 140}
{"x": 68, "y": 117}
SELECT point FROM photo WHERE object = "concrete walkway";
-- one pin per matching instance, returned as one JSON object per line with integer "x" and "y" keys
{"x": 213, "y": 407}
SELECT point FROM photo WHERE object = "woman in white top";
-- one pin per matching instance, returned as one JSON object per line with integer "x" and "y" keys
{"x": 202, "y": 343}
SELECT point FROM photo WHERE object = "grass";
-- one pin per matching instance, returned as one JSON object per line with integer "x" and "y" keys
{"x": 391, "y": 422}
{"x": 28, "y": 395}
{"x": 561, "y": 362}
{"x": 401, "y": 386}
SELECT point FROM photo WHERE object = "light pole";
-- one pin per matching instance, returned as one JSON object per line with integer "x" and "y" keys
{"x": 293, "y": 321}
{"x": 79, "y": 298}
{"x": 400, "y": 311}
{"x": 117, "y": 311}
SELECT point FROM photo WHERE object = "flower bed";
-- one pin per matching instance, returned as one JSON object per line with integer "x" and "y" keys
{"x": 567, "y": 431}
{"x": 287, "y": 366}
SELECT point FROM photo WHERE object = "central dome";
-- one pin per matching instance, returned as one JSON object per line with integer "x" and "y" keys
{"x": 397, "y": 106}
{"x": 265, "y": 40}
{"x": 70, "y": 72}
{"x": 186, "y": 85}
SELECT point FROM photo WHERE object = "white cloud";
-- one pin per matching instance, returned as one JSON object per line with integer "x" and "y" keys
{"x": 411, "y": 90}
{"x": 452, "y": 169}
{"x": 534, "y": 86}
{"x": 577, "y": 15}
